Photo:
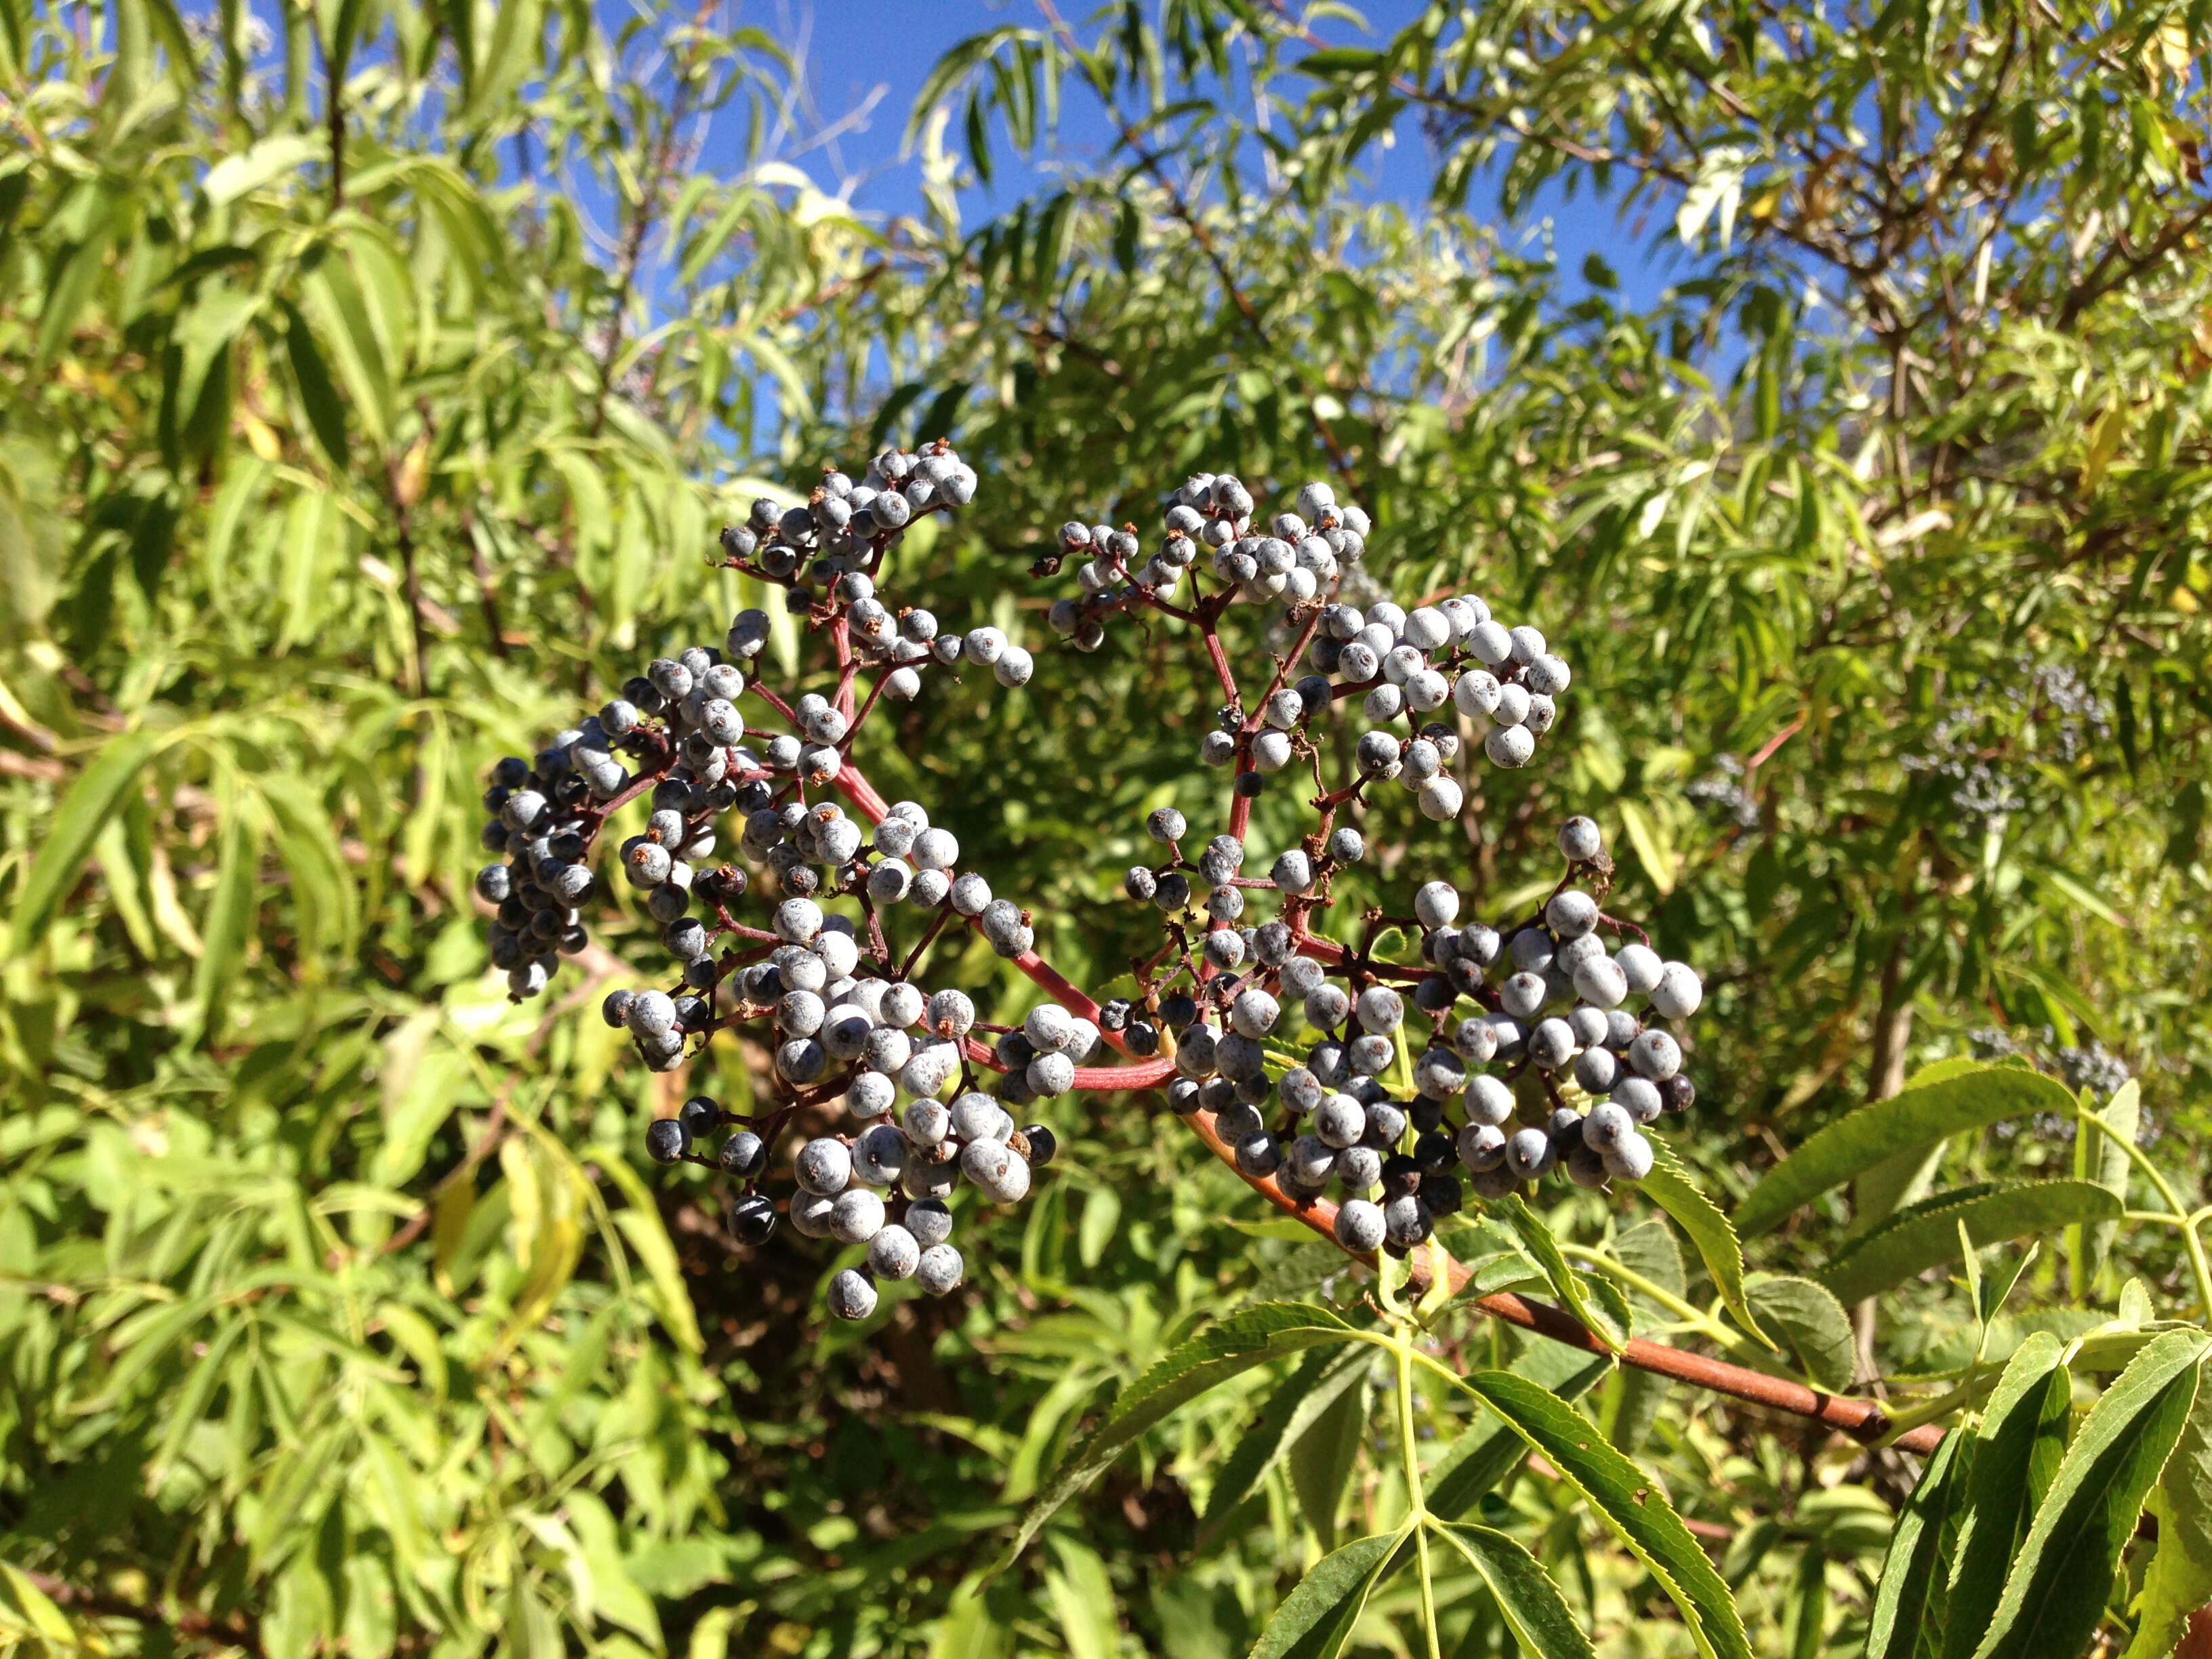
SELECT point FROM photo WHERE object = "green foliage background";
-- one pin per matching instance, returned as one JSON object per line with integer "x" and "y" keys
{"x": 338, "y": 1304}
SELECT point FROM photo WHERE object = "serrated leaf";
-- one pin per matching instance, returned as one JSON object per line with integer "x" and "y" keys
{"x": 1813, "y": 1324}
{"x": 1297, "y": 1405}
{"x": 1229, "y": 1349}
{"x": 2056, "y": 1590}
{"x": 1566, "y": 1284}
{"x": 1527, "y": 1600}
{"x": 2017, "y": 1451}
{"x": 1317, "y": 1619}
{"x": 1669, "y": 1186}
{"x": 1926, "y": 1234}
{"x": 1926, "y": 1112}
{"x": 96, "y": 794}
{"x": 1482, "y": 1456}
{"x": 1626, "y": 1500}
{"x": 2179, "y": 1580}
{"x": 1907, "y": 1598}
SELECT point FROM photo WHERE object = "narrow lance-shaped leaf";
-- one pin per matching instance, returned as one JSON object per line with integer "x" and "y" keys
{"x": 1925, "y": 1113}
{"x": 230, "y": 915}
{"x": 1907, "y": 1598}
{"x": 1669, "y": 1186}
{"x": 97, "y": 792}
{"x": 1293, "y": 1409}
{"x": 2056, "y": 1590}
{"x": 2180, "y": 1577}
{"x": 1536, "y": 1238}
{"x": 2017, "y": 1451}
{"x": 1229, "y": 1349}
{"x": 1321, "y": 1463}
{"x": 1926, "y": 1234}
{"x": 1482, "y": 1456}
{"x": 1626, "y": 1500}
{"x": 1317, "y": 1619}
{"x": 1527, "y": 1599}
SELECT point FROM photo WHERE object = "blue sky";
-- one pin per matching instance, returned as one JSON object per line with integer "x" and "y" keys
{"x": 865, "y": 62}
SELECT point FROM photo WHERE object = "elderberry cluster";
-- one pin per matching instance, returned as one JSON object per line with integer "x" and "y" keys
{"x": 848, "y": 1017}
{"x": 1405, "y": 664}
{"x": 1557, "y": 1068}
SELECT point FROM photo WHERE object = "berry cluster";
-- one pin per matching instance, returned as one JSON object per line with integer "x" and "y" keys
{"x": 1541, "y": 1044}
{"x": 1404, "y": 664}
{"x": 1553, "y": 1036}
{"x": 847, "y": 1013}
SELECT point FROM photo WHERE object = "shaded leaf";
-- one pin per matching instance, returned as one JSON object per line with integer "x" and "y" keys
{"x": 1813, "y": 1323}
{"x": 1229, "y": 1349}
{"x": 1953, "y": 1099}
{"x": 2056, "y": 1590}
{"x": 1907, "y": 1598}
{"x": 1317, "y": 1619}
{"x": 1926, "y": 1234}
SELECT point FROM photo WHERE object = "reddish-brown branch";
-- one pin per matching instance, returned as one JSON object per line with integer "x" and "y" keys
{"x": 1862, "y": 1420}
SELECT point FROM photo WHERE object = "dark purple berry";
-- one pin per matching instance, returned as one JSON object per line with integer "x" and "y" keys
{"x": 666, "y": 1140}
{"x": 752, "y": 1218}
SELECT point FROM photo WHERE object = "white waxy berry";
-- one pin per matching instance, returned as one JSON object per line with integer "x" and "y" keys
{"x": 857, "y": 1215}
{"x": 1359, "y": 1226}
{"x": 1679, "y": 991}
{"x": 852, "y": 1295}
{"x": 824, "y": 1166}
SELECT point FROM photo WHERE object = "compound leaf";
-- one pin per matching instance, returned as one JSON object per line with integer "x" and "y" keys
{"x": 2057, "y": 1588}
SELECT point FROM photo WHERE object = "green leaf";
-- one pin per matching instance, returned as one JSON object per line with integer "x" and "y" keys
{"x": 318, "y": 392}
{"x": 2057, "y": 1588}
{"x": 1812, "y": 1322}
{"x": 2180, "y": 1577}
{"x": 1527, "y": 1600}
{"x": 1566, "y": 1284}
{"x": 1321, "y": 1462}
{"x": 2104, "y": 1160}
{"x": 641, "y": 1226}
{"x": 1926, "y": 1234}
{"x": 1295, "y": 1407}
{"x": 67, "y": 843}
{"x": 1626, "y": 1500}
{"x": 1317, "y": 1619}
{"x": 1082, "y": 1599}
{"x": 2017, "y": 1451}
{"x": 1229, "y": 1349}
{"x": 1485, "y": 1453}
{"x": 1669, "y": 1186}
{"x": 1925, "y": 1113}
{"x": 229, "y": 922}
{"x": 254, "y": 167}
{"x": 1907, "y": 1602}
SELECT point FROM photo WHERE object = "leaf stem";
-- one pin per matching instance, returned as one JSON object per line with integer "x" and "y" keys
{"x": 2198, "y": 1265}
{"x": 1403, "y": 1352}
